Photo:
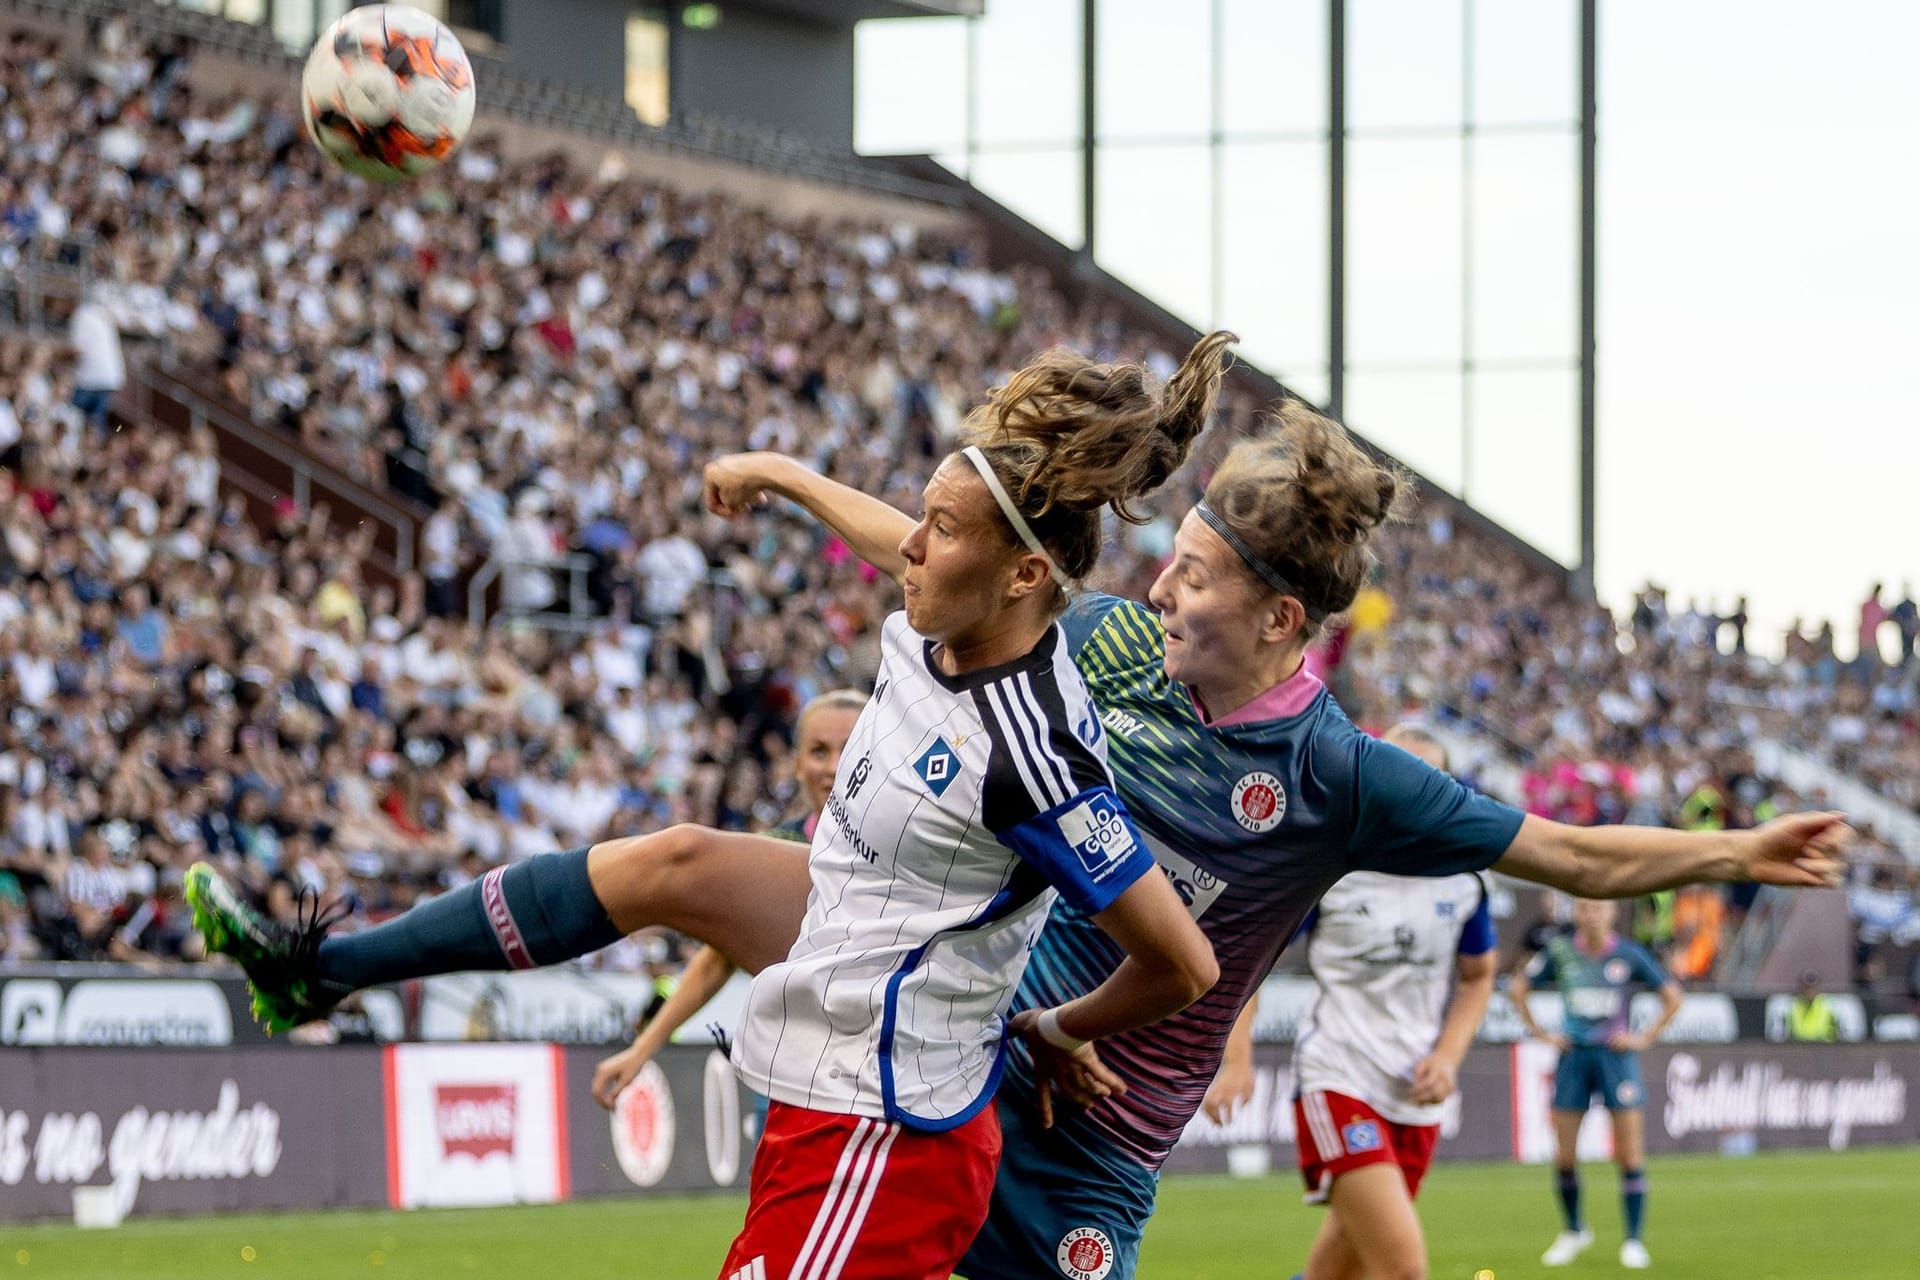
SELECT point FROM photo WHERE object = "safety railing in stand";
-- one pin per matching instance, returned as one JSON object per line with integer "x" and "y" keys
{"x": 37, "y": 272}
{"x": 579, "y": 614}
{"x": 266, "y": 467}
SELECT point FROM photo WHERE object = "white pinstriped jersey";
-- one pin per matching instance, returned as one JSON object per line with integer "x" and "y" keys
{"x": 964, "y": 805}
{"x": 1382, "y": 949}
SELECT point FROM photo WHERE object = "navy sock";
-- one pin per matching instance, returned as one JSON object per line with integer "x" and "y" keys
{"x": 538, "y": 912}
{"x": 1633, "y": 1199}
{"x": 1569, "y": 1187}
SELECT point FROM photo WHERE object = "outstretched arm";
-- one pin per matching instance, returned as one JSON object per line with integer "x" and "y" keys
{"x": 1802, "y": 850}
{"x": 741, "y": 481}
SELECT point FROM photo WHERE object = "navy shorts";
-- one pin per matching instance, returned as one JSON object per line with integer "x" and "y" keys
{"x": 1061, "y": 1206}
{"x": 1587, "y": 1071}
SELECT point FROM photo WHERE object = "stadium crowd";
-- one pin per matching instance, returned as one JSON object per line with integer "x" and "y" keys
{"x": 544, "y": 357}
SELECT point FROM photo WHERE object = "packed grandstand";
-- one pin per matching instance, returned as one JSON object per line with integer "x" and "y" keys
{"x": 541, "y": 355}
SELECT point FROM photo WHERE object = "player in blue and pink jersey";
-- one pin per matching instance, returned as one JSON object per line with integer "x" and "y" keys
{"x": 1597, "y": 972}
{"x": 1403, "y": 970}
{"x": 971, "y": 793}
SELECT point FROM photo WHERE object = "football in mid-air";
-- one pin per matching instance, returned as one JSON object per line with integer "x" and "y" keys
{"x": 387, "y": 92}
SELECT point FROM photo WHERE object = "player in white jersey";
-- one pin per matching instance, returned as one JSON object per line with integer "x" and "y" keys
{"x": 1403, "y": 969}
{"x": 973, "y": 792}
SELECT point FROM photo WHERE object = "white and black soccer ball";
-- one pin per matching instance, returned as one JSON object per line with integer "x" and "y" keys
{"x": 387, "y": 92}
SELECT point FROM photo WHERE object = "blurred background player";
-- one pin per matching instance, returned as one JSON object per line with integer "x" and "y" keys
{"x": 819, "y": 737}
{"x": 1597, "y": 972}
{"x": 1404, "y": 969}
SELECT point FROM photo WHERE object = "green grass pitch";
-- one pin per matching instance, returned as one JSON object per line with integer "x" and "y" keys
{"x": 1773, "y": 1217}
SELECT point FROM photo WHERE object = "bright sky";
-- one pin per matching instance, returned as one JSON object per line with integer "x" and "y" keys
{"x": 1759, "y": 343}
{"x": 1759, "y": 371}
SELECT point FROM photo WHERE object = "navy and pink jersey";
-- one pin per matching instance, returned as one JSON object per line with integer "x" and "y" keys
{"x": 1252, "y": 816}
{"x": 1597, "y": 986}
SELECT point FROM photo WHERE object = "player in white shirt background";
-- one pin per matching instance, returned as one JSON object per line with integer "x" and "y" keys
{"x": 1404, "y": 970}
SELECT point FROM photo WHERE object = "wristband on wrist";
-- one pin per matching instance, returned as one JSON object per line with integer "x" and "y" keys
{"x": 1050, "y": 1030}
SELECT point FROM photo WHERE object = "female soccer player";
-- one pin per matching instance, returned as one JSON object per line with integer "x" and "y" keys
{"x": 1256, "y": 794}
{"x": 1596, "y": 971}
{"x": 1253, "y": 790}
{"x": 978, "y": 795}
{"x": 1404, "y": 969}
{"x": 819, "y": 736}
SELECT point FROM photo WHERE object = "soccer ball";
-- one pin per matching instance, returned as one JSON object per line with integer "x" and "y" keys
{"x": 387, "y": 92}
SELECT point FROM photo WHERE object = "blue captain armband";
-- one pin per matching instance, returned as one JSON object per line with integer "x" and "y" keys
{"x": 1087, "y": 848}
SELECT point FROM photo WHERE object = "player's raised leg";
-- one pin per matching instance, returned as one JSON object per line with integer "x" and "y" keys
{"x": 742, "y": 894}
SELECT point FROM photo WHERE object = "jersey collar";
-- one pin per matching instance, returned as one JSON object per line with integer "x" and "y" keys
{"x": 1283, "y": 701}
{"x": 1040, "y": 657}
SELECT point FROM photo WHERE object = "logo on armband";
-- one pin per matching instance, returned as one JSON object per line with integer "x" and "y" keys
{"x": 1098, "y": 834}
{"x": 1259, "y": 802}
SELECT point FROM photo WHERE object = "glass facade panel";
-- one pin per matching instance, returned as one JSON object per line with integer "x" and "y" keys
{"x": 1042, "y": 186}
{"x": 1154, "y": 216}
{"x": 1403, "y": 63}
{"x": 1273, "y": 254}
{"x": 1403, "y": 250}
{"x": 1414, "y": 416}
{"x": 1273, "y": 66}
{"x": 1030, "y": 90}
{"x": 1155, "y": 63}
{"x": 1462, "y": 200}
{"x": 1526, "y": 247}
{"x": 911, "y": 86}
{"x": 295, "y": 23}
{"x": 1314, "y": 384}
{"x": 1526, "y": 61}
{"x": 1532, "y": 415}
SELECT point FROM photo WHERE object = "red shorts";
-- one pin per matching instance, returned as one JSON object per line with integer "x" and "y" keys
{"x": 837, "y": 1197}
{"x": 1337, "y": 1133}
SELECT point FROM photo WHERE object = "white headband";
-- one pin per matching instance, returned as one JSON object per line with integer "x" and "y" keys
{"x": 1012, "y": 513}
